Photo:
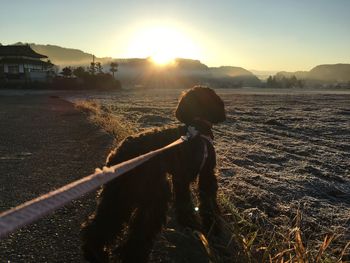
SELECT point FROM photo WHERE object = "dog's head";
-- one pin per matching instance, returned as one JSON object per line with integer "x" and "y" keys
{"x": 200, "y": 103}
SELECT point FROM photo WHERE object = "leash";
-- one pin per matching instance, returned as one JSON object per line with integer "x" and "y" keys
{"x": 35, "y": 209}
{"x": 193, "y": 132}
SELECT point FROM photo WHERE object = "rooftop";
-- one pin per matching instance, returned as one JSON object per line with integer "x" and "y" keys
{"x": 16, "y": 50}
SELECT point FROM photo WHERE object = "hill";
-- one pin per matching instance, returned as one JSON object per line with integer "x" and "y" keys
{"x": 322, "y": 74}
{"x": 332, "y": 73}
{"x": 183, "y": 72}
{"x": 143, "y": 72}
{"x": 240, "y": 76}
{"x": 65, "y": 56}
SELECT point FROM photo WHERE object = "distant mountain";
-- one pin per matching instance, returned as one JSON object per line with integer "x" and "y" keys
{"x": 136, "y": 70}
{"x": 333, "y": 73}
{"x": 183, "y": 72}
{"x": 241, "y": 76}
{"x": 230, "y": 71}
{"x": 142, "y": 72}
{"x": 65, "y": 56}
{"x": 322, "y": 74}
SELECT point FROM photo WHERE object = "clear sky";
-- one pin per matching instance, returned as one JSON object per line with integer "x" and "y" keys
{"x": 254, "y": 34}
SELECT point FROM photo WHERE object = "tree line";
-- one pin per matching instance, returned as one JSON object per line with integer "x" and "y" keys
{"x": 91, "y": 77}
{"x": 274, "y": 82}
{"x": 95, "y": 68}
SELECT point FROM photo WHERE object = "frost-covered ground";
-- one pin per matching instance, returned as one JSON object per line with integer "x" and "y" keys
{"x": 278, "y": 152}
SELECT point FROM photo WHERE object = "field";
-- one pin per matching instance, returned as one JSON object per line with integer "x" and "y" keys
{"x": 283, "y": 159}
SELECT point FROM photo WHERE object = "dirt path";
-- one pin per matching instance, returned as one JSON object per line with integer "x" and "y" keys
{"x": 44, "y": 144}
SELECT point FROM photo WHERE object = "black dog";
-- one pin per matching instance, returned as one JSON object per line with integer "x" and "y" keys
{"x": 139, "y": 198}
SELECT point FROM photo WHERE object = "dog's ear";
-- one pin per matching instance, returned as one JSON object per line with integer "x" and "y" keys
{"x": 186, "y": 108}
{"x": 200, "y": 102}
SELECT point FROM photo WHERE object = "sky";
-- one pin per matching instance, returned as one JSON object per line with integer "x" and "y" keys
{"x": 255, "y": 34}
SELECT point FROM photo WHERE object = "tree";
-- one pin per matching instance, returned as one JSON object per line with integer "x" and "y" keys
{"x": 271, "y": 82}
{"x": 67, "y": 72}
{"x": 113, "y": 67}
{"x": 79, "y": 72}
{"x": 301, "y": 83}
{"x": 92, "y": 68}
{"x": 98, "y": 68}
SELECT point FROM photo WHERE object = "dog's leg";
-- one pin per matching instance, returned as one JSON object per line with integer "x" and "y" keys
{"x": 113, "y": 210}
{"x": 147, "y": 222}
{"x": 208, "y": 208}
{"x": 183, "y": 201}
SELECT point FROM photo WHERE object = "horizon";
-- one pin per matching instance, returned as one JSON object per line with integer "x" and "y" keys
{"x": 254, "y": 71}
{"x": 269, "y": 36}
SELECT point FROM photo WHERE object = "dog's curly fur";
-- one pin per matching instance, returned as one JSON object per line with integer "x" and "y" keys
{"x": 140, "y": 198}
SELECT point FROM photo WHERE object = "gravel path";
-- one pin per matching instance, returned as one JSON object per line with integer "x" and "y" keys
{"x": 44, "y": 144}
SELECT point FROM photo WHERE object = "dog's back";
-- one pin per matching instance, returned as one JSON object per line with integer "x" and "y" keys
{"x": 144, "y": 142}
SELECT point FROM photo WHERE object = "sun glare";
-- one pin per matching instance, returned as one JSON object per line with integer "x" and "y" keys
{"x": 162, "y": 59}
{"x": 162, "y": 45}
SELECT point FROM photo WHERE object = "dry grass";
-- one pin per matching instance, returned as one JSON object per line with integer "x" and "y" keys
{"x": 103, "y": 117}
{"x": 261, "y": 241}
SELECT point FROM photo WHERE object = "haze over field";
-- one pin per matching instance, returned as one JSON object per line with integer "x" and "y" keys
{"x": 188, "y": 71}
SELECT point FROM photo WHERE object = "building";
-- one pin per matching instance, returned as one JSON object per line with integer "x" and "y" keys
{"x": 20, "y": 63}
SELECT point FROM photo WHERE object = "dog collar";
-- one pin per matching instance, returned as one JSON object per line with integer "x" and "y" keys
{"x": 193, "y": 132}
{"x": 205, "y": 153}
{"x": 203, "y": 126}
{"x": 190, "y": 133}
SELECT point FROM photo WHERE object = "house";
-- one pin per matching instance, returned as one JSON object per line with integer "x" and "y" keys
{"x": 20, "y": 63}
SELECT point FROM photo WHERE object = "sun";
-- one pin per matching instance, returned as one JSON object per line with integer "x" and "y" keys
{"x": 162, "y": 59}
{"x": 163, "y": 44}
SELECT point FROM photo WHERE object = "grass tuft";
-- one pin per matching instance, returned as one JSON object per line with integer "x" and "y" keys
{"x": 103, "y": 117}
{"x": 265, "y": 242}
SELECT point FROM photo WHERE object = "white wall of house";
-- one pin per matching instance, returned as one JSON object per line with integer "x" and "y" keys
{"x": 7, "y": 68}
{"x": 34, "y": 72}
{"x": 22, "y": 68}
{"x": 38, "y": 76}
{"x": 31, "y": 67}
